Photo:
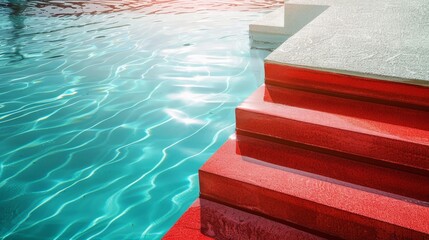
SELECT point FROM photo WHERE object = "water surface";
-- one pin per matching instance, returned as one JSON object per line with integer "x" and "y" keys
{"x": 108, "y": 109}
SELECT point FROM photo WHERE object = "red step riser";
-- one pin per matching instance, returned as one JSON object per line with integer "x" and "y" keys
{"x": 302, "y": 200}
{"x": 223, "y": 222}
{"x": 348, "y": 107}
{"x": 388, "y": 92}
{"x": 287, "y": 208}
{"x": 384, "y": 179}
{"x": 382, "y": 151}
{"x": 379, "y": 143}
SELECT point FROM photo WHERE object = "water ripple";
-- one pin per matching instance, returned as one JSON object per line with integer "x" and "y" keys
{"x": 109, "y": 108}
{"x": 79, "y": 8}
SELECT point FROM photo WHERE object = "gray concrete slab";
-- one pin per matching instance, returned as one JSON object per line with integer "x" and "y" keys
{"x": 272, "y": 22}
{"x": 269, "y": 31}
{"x": 385, "y": 39}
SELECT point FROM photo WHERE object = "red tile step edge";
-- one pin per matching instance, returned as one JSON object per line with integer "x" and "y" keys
{"x": 413, "y": 186}
{"x": 306, "y": 200}
{"x": 364, "y": 88}
{"x": 375, "y": 142}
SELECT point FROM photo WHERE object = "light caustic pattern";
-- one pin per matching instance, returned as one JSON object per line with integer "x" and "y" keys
{"x": 105, "y": 118}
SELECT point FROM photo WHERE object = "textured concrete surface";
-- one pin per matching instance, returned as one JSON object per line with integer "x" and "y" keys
{"x": 386, "y": 40}
{"x": 270, "y": 23}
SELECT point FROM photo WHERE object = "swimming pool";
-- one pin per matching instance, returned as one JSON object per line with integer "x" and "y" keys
{"x": 108, "y": 109}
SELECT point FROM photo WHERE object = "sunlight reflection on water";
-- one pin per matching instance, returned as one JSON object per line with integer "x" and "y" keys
{"x": 108, "y": 109}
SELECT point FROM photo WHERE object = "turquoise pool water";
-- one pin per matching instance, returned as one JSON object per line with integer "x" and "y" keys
{"x": 108, "y": 109}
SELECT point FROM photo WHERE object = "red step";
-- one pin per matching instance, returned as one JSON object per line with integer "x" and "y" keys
{"x": 375, "y": 142}
{"x": 348, "y": 107}
{"x": 223, "y": 222}
{"x": 360, "y": 173}
{"x": 387, "y": 91}
{"x": 206, "y": 220}
{"x": 304, "y": 199}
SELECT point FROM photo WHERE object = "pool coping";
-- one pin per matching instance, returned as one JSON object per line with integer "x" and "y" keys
{"x": 351, "y": 38}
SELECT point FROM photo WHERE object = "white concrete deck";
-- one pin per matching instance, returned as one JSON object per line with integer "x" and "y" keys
{"x": 385, "y": 39}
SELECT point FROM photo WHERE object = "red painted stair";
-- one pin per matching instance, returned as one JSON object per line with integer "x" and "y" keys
{"x": 390, "y": 180}
{"x": 323, "y": 155}
{"x": 381, "y": 90}
{"x": 299, "y": 198}
{"x": 375, "y": 142}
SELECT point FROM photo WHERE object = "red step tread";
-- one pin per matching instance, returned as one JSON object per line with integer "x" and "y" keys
{"x": 378, "y": 142}
{"x": 385, "y": 179}
{"x": 377, "y": 90}
{"x": 303, "y": 199}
